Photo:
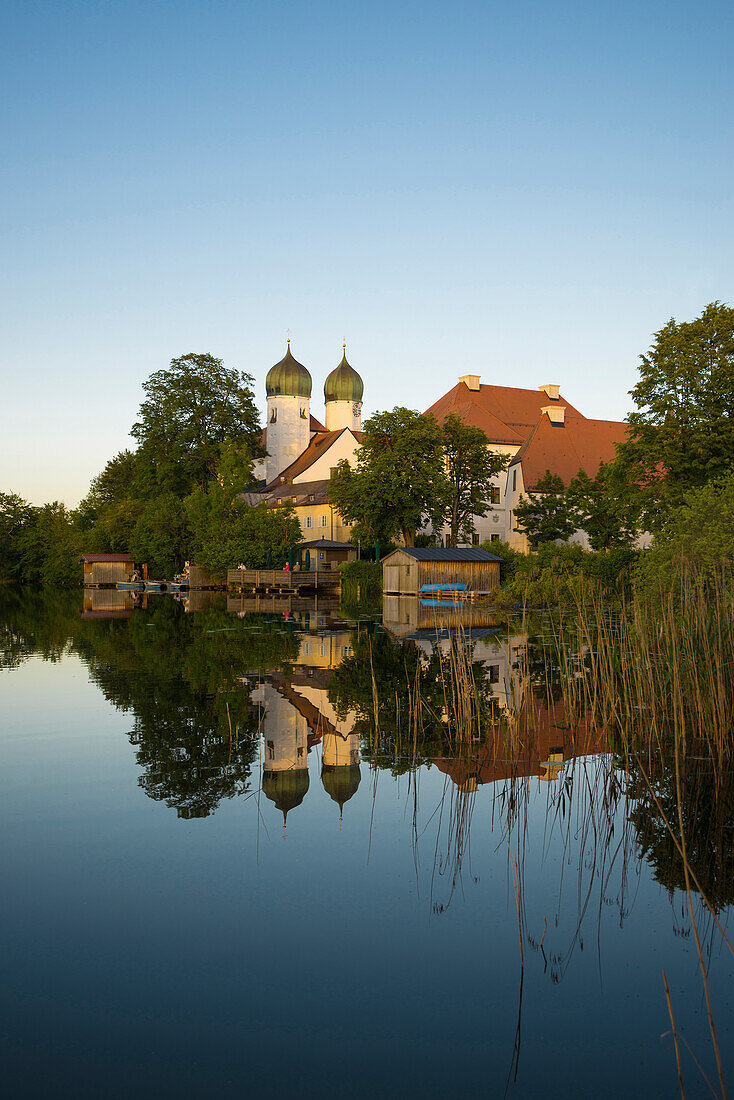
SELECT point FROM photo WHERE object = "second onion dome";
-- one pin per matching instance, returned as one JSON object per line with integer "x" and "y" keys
{"x": 343, "y": 384}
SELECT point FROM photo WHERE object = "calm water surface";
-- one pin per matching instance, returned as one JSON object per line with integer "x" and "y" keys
{"x": 220, "y": 879}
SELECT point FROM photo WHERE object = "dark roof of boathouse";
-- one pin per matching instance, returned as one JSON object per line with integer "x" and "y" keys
{"x": 438, "y": 553}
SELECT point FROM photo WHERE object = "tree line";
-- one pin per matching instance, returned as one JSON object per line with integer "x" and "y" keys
{"x": 175, "y": 497}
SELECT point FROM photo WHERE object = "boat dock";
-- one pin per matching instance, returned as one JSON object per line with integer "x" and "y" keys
{"x": 283, "y": 582}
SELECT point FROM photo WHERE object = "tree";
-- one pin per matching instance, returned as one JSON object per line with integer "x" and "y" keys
{"x": 470, "y": 468}
{"x": 112, "y": 486}
{"x": 16, "y": 515}
{"x": 601, "y": 508}
{"x": 190, "y": 410}
{"x": 682, "y": 433}
{"x": 399, "y": 482}
{"x": 700, "y": 532}
{"x": 226, "y": 530}
{"x": 161, "y": 535}
{"x": 546, "y": 513}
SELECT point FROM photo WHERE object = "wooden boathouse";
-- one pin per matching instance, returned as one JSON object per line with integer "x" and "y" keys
{"x": 407, "y": 570}
{"x": 108, "y": 568}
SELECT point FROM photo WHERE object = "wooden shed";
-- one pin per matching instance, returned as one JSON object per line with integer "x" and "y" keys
{"x": 327, "y": 554}
{"x": 108, "y": 568}
{"x": 406, "y": 571}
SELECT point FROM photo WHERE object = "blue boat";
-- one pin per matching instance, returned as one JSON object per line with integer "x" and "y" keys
{"x": 131, "y": 586}
{"x": 447, "y": 586}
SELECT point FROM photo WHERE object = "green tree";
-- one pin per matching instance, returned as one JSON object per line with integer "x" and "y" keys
{"x": 700, "y": 532}
{"x": 161, "y": 535}
{"x": 681, "y": 435}
{"x": 189, "y": 411}
{"x": 227, "y": 530}
{"x": 112, "y": 486}
{"x": 399, "y": 482}
{"x": 16, "y": 515}
{"x": 546, "y": 513}
{"x": 602, "y": 508}
{"x": 470, "y": 468}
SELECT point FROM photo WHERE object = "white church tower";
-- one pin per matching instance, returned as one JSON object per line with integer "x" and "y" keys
{"x": 343, "y": 392}
{"x": 288, "y": 387}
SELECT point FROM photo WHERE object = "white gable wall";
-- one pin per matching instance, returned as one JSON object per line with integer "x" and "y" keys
{"x": 344, "y": 447}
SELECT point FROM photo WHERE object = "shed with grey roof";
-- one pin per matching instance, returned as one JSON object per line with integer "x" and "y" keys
{"x": 409, "y": 570}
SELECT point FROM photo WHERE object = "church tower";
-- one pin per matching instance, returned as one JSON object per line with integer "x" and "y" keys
{"x": 343, "y": 392}
{"x": 288, "y": 387}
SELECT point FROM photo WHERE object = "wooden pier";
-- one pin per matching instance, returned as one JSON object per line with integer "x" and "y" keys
{"x": 284, "y": 581}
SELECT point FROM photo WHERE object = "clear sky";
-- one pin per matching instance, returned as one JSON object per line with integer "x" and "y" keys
{"x": 526, "y": 191}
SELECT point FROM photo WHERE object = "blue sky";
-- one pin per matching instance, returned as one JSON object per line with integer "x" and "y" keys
{"x": 526, "y": 191}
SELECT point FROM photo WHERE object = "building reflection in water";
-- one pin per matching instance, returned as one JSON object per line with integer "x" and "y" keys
{"x": 298, "y": 716}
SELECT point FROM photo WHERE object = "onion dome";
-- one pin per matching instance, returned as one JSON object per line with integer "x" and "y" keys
{"x": 288, "y": 377}
{"x": 287, "y": 788}
{"x": 340, "y": 782}
{"x": 343, "y": 384}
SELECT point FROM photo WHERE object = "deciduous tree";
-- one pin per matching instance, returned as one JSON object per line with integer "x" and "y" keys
{"x": 470, "y": 469}
{"x": 546, "y": 513}
{"x": 399, "y": 482}
{"x": 189, "y": 411}
{"x": 681, "y": 435}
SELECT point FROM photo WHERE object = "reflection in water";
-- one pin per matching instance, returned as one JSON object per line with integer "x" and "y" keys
{"x": 226, "y": 699}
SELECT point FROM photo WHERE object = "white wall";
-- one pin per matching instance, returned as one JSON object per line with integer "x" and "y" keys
{"x": 346, "y": 446}
{"x": 289, "y": 435}
{"x": 343, "y": 414}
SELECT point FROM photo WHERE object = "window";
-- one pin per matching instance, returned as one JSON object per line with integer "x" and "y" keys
{"x": 324, "y": 521}
{"x": 475, "y": 539}
{"x": 494, "y": 494}
{"x": 309, "y": 521}
{"x": 494, "y": 538}
{"x": 300, "y": 750}
{"x": 514, "y": 480}
{"x": 273, "y": 415}
{"x": 303, "y": 414}
{"x": 494, "y": 674}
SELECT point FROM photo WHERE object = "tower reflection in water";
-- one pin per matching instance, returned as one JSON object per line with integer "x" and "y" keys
{"x": 297, "y": 716}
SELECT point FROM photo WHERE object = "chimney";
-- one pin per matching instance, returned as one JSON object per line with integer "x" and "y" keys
{"x": 471, "y": 381}
{"x": 556, "y": 413}
{"x": 551, "y": 392}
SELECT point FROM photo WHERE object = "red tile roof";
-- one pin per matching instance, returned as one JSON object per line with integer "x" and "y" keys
{"x": 505, "y": 414}
{"x": 564, "y": 449}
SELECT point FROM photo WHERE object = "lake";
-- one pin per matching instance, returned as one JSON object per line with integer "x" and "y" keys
{"x": 283, "y": 849}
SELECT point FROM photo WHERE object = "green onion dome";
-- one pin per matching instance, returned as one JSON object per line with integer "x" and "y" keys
{"x": 287, "y": 788}
{"x": 343, "y": 384}
{"x": 340, "y": 781}
{"x": 288, "y": 377}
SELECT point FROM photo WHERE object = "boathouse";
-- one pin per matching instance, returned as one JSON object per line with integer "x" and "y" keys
{"x": 108, "y": 568}
{"x": 409, "y": 569}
